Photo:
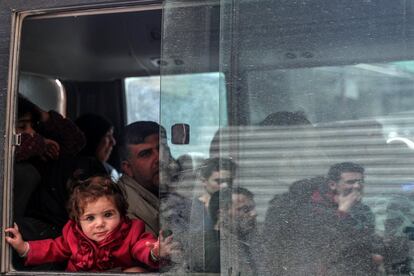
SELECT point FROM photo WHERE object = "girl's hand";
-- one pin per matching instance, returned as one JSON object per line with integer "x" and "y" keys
{"x": 14, "y": 238}
{"x": 164, "y": 247}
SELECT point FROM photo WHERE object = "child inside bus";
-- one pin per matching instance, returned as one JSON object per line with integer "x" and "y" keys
{"x": 99, "y": 236}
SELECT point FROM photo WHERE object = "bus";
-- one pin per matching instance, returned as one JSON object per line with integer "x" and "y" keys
{"x": 285, "y": 89}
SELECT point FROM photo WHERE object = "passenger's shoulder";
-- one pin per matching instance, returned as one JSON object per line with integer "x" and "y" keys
{"x": 127, "y": 182}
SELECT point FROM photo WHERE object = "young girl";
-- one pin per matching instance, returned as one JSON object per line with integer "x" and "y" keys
{"x": 99, "y": 236}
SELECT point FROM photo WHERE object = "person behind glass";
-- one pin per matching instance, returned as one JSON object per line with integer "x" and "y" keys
{"x": 100, "y": 141}
{"x": 344, "y": 226}
{"x": 233, "y": 214}
{"x": 286, "y": 247}
{"x": 214, "y": 174}
{"x": 45, "y": 138}
{"x": 99, "y": 236}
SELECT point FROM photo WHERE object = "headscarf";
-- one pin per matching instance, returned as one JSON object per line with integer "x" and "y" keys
{"x": 94, "y": 127}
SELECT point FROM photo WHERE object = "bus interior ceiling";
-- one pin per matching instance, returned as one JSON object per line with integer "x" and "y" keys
{"x": 94, "y": 47}
{"x": 110, "y": 47}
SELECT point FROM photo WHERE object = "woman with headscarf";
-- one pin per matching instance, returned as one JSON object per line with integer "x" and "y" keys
{"x": 99, "y": 133}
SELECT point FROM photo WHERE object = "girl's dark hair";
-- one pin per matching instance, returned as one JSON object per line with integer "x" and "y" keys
{"x": 89, "y": 190}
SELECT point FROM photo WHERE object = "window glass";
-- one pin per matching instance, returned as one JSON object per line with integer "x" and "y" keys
{"x": 142, "y": 96}
{"x": 333, "y": 93}
{"x": 192, "y": 99}
{"x": 320, "y": 111}
{"x": 361, "y": 113}
{"x": 327, "y": 95}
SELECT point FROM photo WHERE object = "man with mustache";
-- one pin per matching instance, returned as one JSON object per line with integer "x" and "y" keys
{"x": 140, "y": 150}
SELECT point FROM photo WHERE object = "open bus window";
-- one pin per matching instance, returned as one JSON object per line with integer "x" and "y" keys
{"x": 71, "y": 63}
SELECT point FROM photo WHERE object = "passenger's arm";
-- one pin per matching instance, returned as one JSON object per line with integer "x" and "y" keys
{"x": 31, "y": 145}
{"x": 163, "y": 248}
{"x": 49, "y": 250}
{"x": 140, "y": 250}
{"x": 345, "y": 202}
{"x": 62, "y": 130}
{"x": 15, "y": 239}
{"x": 38, "y": 252}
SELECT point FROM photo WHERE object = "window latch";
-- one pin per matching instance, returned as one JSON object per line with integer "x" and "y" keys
{"x": 17, "y": 139}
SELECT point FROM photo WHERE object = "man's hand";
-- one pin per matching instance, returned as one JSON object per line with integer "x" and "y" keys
{"x": 345, "y": 202}
{"x": 14, "y": 238}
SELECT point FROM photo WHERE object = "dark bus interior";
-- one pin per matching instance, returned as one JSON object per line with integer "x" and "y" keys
{"x": 91, "y": 55}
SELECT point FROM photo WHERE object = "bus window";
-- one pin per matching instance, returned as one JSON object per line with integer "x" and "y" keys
{"x": 320, "y": 111}
{"x": 300, "y": 114}
{"x": 203, "y": 90}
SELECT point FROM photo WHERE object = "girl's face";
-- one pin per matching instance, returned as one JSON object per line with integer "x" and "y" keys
{"x": 99, "y": 219}
{"x": 104, "y": 149}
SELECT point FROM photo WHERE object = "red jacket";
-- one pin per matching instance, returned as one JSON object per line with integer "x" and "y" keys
{"x": 123, "y": 248}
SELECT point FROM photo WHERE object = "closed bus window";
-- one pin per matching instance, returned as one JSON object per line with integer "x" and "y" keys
{"x": 320, "y": 105}
{"x": 193, "y": 99}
